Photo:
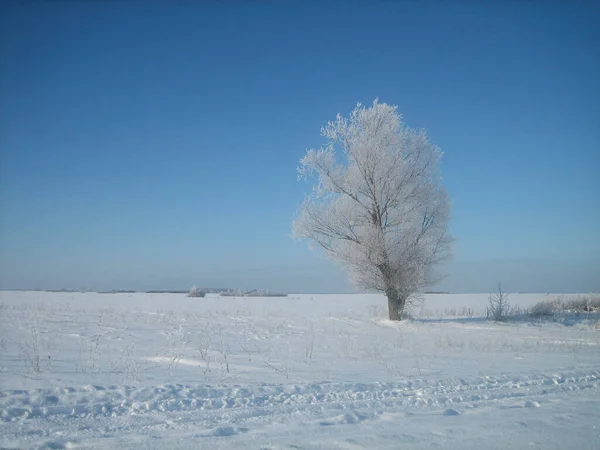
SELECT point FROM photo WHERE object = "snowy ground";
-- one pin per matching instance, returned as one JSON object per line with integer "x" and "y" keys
{"x": 303, "y": 372}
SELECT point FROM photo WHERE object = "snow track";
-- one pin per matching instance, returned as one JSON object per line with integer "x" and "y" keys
{"x": 95, "y": 413}
{"x": 93, "y": 401}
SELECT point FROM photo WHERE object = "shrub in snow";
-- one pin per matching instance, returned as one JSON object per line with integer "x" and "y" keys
{"x": 498, "y": 308}
{"x": 586, "y": 304}
{"x": 378, "y": 206}
{"x": 251, "y": 293}
{"x": 544, "y": 309}
{"x": 231, "y": 293}
{"x": 195, "y": 292}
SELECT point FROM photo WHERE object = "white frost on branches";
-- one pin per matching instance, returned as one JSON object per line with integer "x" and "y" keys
{"x": 378, "y": 205}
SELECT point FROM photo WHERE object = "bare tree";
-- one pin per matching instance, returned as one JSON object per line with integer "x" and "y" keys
{"x": 499, "y": 308}
{"x": 378, "y": 205}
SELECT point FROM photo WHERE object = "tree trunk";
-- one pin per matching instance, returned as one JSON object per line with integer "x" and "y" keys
{"x": 396, "y": 304}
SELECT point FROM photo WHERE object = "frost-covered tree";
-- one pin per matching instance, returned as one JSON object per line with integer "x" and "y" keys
{"x": 378, "y": 205}
{"x": 195, "y": 292}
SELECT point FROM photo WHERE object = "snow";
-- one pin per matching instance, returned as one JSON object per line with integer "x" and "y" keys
{"x": 87, "y": 370}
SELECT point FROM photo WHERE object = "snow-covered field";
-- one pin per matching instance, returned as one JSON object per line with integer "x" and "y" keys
{"x": 303, "y": 372}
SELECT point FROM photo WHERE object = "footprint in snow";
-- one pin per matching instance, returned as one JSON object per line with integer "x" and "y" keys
{"x": 349, "y": 418}
{"x": 57, "y": 444}
{"x": 224, "y": 431}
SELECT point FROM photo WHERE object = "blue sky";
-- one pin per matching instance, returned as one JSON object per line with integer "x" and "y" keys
{"x": 154, "y": 145}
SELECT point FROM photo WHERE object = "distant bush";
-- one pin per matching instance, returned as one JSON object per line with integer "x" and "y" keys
{"x": 264, "y": 293}
{"x": 195, "y": 292}
{"x": 231, "y": 293}
{"x": 546, "y": 308}
{"x": 585, "y": 304}
{"x": 252, "y": 293}
{"x": 549, "y": 308}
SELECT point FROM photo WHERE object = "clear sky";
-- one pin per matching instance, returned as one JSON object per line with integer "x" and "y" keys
{"x": 154, "y": 145}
